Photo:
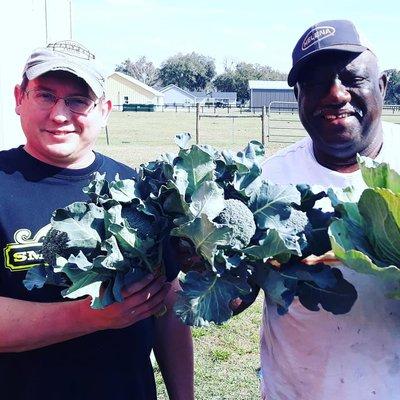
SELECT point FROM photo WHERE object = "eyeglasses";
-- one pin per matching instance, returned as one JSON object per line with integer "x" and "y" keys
{"x": 47, "y": 100}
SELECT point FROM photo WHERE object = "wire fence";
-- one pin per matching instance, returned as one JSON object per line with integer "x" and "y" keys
{"x": 276, "y": 123}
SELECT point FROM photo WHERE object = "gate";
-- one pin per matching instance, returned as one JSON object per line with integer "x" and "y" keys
{"x": 283, "y": 124}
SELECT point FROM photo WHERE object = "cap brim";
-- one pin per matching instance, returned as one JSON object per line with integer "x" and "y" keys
{"x": 64, "y": 65}
{"x": 349, "y": 48}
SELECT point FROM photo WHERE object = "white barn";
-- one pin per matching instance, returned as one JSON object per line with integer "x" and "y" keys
{"x": 175, "y": 95}
{"x": 124, "y": 89}
{"x": 25, "y": 25}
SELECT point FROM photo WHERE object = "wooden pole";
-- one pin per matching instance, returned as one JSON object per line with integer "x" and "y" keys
{"x": 106, "y": 129}
{"x": 197, "y": 122}
{"x": 263, "y": 116}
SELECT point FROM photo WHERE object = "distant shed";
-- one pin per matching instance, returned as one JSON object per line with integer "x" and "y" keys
{"x": 124, "y": 89}
{"x": 262, "y": 93}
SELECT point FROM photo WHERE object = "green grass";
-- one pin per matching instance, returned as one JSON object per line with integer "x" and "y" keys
{"x": 226, "y": 357}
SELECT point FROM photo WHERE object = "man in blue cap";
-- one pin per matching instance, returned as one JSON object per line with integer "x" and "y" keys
{"x": 55, "y": 349}
{"x": 316, "y": 355}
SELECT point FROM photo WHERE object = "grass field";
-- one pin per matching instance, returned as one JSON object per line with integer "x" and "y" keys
{"x": 226, "y": 357}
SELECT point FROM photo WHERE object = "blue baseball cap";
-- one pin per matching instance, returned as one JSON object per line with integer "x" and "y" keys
{"x": 332, "y": 35}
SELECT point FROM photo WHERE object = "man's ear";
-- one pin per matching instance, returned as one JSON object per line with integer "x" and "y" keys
{"x": 18, "y": 95}
{"x": 106, "y": 107}
{"x": 296, "y": 91}
{"x": 383, "y": 83}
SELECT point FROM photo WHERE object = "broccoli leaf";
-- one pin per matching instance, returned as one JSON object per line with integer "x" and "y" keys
{"x": 272, "y": 201}
{"x": 367, "y": 236}
{"x": 208, "y": 199}
{"x": 379, "y": 175}
{"x": 205, "y": 297}
{"x": 270, "y": 246}
{"x": 321, "y": 285}
{"x": 84, "y": 223}
{"x": 123, "y": 191}
{"x": 313, "y": 285}
{"x": 205, "y": 235}
{"x": 198, "y": 165}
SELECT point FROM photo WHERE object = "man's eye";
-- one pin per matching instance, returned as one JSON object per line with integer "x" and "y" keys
{"x": 358, "y": 79}
{"x": 79, "y": 101}
{"x": 44, "y": 96}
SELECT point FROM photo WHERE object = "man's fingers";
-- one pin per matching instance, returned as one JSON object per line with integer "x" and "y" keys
{"x": 138, "y": 286}
{"x": 154, "y": 304}
{"x": 149, "y": 295}
{"x": 328, "y": 257}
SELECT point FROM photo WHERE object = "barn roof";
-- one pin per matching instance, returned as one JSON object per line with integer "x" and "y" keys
{"x": 136, "y": 82}
{"x": 175, "y": 87}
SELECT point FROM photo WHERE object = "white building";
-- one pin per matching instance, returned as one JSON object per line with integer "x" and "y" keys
{"x": 25, "y": 25}
{"x": 124, "y": 89}
{"x": 175, "y": 95}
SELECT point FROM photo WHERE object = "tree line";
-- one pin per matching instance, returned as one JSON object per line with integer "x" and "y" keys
{"x": 196, "y": 72}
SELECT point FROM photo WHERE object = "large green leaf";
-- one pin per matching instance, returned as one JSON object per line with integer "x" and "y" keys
{"x": 198, "y": 165}
{"x": 345, "y": 249}
{"x": 135, "y": 247}
{"x": 123, "y": 191}
{"x": 271, "y": 202}
{"x": 273, "y": 284}
{"x": 84, "y": 281}
{"x": 248, "y": 181}
{"x": 379, "y": 175}
{"x": 205, "y": 298}
{"x": 98, "y": 188}
{"x": 83, "y": 222}
{"x": 315, "y": 286}
{"x": 208, "y": 199}
{"x": 381, "y": 226}
{"x": 205, "y": 235}
{"x": 270, "y": 246}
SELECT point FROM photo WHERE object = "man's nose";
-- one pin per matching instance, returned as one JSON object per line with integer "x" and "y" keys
{"x": 60, "y": 112}
{"x": 338, "y": 92}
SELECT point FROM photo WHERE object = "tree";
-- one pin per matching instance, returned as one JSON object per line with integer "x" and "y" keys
{"x": 236, "y": 78}
{"x": 188, "y": 71}
{"x": 393, "y": 89}
{"x": 141, "y": 69}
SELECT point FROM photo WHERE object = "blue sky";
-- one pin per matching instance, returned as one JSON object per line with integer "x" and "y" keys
{"x": 254, "y": 31}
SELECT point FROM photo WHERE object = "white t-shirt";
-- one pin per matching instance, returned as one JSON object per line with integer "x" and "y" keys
{"x": 308, "y": 355}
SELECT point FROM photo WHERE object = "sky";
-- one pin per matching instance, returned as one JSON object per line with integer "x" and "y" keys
{"x": 254, "y": 31}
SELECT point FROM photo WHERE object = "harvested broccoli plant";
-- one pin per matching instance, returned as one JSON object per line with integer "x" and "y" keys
{"x": 207, "y": 213}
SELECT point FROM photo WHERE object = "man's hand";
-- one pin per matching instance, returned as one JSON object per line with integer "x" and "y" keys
{"x": 328, "y": 257}
{"x": 141, "y": 300}
{"x": 239, "y": 304}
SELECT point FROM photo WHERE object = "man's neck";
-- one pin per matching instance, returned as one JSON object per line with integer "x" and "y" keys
{"x": 79, "y": 163}
{"x": 349, "y": 164}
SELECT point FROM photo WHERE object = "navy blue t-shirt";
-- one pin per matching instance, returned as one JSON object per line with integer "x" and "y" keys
{"x": 112, "y": 364}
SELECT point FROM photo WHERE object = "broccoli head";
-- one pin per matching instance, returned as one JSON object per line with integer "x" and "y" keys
{"x": 54, "y": 244}
{"x": 238, "y": 216}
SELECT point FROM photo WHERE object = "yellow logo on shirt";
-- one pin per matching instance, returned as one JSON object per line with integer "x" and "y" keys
{"x": 25, "y": 252}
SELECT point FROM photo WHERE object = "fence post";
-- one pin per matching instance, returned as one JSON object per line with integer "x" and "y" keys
{"x": 263, "y": 116}
{"x": 197, "y": 122}
{"x": 106, "y": 129}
